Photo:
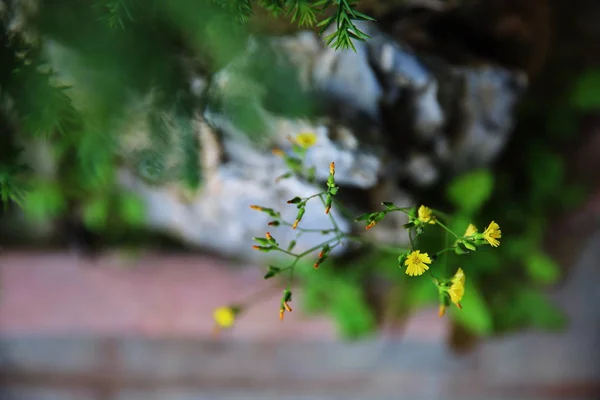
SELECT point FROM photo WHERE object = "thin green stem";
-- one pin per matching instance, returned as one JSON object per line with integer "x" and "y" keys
{"x": 316, "y": 247}
{"x": 410, "y": 237}
{"x": 286, "y": 252}
{"x": 286, "y": 223}
{"x": 437, "y": 221}
{"x": 444, "y": 251}
{"x": 387, "y": 248}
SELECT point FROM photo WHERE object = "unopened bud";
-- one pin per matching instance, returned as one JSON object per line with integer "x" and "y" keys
{"x": 442, "y": 310}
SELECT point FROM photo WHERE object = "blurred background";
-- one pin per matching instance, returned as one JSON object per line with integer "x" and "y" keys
{"x": 135, "y": 135}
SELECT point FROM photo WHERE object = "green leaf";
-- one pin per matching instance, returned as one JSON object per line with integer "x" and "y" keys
{"x": 362, "y": 16}
{"x": 96, "y": 212}
{"x": 389, "y": 205}
{"x": 363, "y": 217}
{"x": 475, "y": 314}
{"x": 470, "y": 191}
{"x": 272, "y": 272}
{"x": 261, "y": 241}
{"x": 542, "y": 268}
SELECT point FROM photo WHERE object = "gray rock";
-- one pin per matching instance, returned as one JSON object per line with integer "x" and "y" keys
{"x": 487, "y": 113}
{"x": 381, "y": 72}
{"x": 346, "y": 77}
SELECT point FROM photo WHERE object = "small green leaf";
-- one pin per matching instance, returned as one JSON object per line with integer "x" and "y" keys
{"x": 542, "y": 268}
{"x": 265, "y": 249}
{"x": 363, "y": 217}
{"x": 469, "y": 245}
{"x": 295, "y": 200}
{"x": 291, "y": 245}
{"x": 261, "y": 241}
{"x": 284, "y": 176}
{"x": 389, "y": 205}
{"x": 300, "y": 214}
{"x": 325, "y": 22}
{"x": 272, "y": 272}
{"x": 470, "y": 191}
{"x": 362, "y": 16}
{"x": 461, "y": 249}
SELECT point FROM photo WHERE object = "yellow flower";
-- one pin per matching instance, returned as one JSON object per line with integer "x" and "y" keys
{"x": 306, "y": 139}
{"x": 457, "y": 289}
{"x": 224, "y": 317}
{"x": 416, "y": 263}
{"x": 492, "y": 233}
{"x": 471, "y": 230}
{"x": 425, "y": 215}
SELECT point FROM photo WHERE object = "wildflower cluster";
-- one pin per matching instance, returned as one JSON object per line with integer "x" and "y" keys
{"x": 413, "y": 260}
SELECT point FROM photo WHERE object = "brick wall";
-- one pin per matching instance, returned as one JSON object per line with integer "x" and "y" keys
{"x": 75, "y": 331}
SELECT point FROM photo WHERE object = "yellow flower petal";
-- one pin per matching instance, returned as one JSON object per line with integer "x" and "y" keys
{"x": 471, "y": 230}
{"x": 425, "y": 214}
{"x": 224, "y": 317}
{"x": 492, "y": 233}
{"x": 416, "y": 263}
{"x": 306, "y": 139}
{"x": 457, "y": 289}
